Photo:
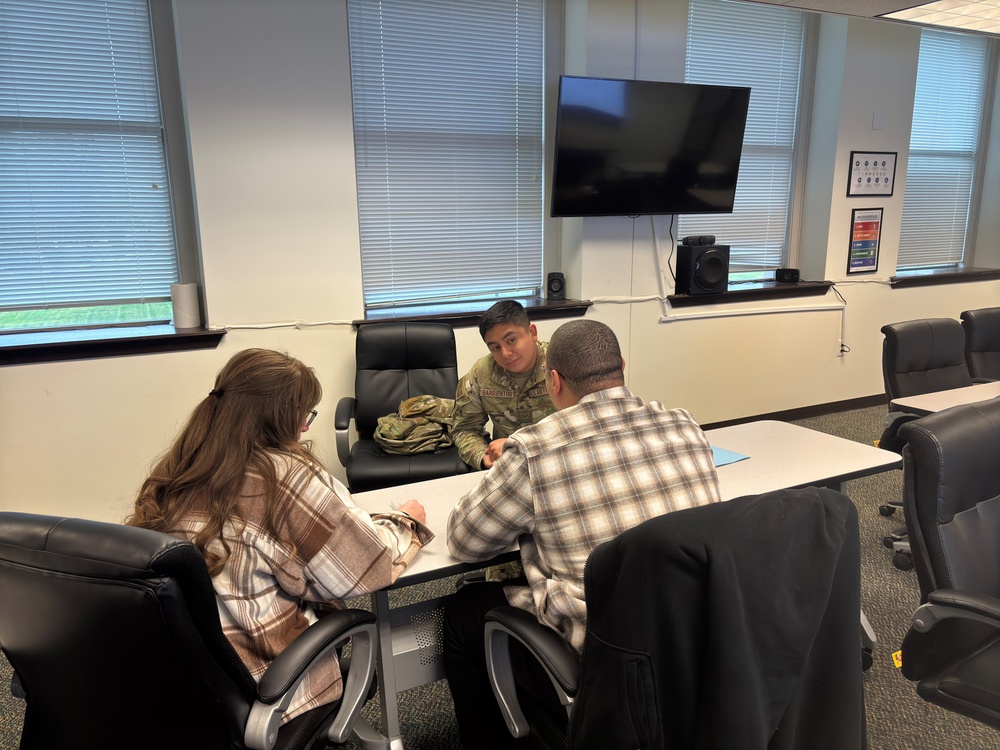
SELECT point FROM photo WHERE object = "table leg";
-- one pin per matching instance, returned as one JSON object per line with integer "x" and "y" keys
{"x": 390, "y": 738}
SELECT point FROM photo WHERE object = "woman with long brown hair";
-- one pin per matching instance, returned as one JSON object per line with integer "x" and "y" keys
{"x": 278, "y": 532}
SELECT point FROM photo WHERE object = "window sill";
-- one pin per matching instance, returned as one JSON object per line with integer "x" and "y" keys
{"x": 60, "y": 346}
{"x": 932, "y": 276}
{"x": 751, "y": 291}
{"x": 467, "y": 314}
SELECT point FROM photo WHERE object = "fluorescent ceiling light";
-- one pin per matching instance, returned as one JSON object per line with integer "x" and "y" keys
{"x": 964, "y": 15}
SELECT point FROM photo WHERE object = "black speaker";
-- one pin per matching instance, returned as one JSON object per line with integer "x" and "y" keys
{"x": 786, "y": 275}
{"x": 556, "y": 287}
{"x": 702, "y": 269}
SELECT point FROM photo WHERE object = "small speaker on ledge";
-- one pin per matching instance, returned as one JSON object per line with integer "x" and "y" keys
{"x": 787, "y": 275}
{"x": 696, "y": 239}
{"x": 555, "y": 289}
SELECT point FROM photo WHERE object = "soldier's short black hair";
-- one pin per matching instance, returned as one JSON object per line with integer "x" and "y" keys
{"x": 504, "y": 311}
{"x": 586, "y": 353}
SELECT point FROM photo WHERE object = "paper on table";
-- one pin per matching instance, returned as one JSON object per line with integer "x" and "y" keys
{"x": 723, "y": 457}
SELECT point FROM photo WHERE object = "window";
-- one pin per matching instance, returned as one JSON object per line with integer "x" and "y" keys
{"x": 738, "y": 44}
{"x": 86, "y": 224}
{"x": 448, "y": 100}
{"x": 944, "y": 143}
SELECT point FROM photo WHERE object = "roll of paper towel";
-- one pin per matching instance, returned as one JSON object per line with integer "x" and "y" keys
{"x": 187, "y": 311}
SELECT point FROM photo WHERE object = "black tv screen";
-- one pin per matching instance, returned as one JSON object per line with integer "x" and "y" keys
{"x": 625, "y": 148}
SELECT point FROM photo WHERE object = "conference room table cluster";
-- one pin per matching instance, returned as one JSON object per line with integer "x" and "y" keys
{"x": 751, "y": 459}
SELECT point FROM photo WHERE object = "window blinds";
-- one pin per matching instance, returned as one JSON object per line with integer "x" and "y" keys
{"x": 944, "y": 140}
{"x": 448, "y": 99}
{"x": 85, "y": 212}
{"x": 738, "y": 44}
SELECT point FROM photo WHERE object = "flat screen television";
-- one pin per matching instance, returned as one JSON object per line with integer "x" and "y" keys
{"x": 626, "y": 148}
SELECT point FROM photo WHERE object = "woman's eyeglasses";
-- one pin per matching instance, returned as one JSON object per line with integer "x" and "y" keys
{"x": 312, "y": 415}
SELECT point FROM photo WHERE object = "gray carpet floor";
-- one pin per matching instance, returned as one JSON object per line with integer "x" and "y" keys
{"x": 897, "y": 718}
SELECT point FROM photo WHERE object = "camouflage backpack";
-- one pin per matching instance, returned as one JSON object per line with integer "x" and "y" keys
{"x": 422, "y": 425}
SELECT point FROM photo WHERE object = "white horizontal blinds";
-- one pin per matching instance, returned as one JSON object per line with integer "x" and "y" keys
{"x": 747, "y": 44}
{"x": 85, "y": 214}
{"x": 944, "y": 139}
{"x": 448, "y": 144}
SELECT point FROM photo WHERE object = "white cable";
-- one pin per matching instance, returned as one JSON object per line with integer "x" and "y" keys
{"x": 298, "y": 324}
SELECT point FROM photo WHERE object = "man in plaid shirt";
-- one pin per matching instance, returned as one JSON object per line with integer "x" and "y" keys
{"x": 603, "y": 463}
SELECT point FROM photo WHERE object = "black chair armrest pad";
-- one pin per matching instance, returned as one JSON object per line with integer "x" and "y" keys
{"x": 300, "y": 653}
{"x": 345, "y": 413}
{"x": 978, "y": 604}
{"x": 544, "y": 643}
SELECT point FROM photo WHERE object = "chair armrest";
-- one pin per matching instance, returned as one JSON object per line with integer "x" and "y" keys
{"x": 278, "y": 683}
{"x": 890, "y": 439}
{"x": 558, "y": 660}
{"x": 946, "y": 604}
{"x": 342, "y": 425}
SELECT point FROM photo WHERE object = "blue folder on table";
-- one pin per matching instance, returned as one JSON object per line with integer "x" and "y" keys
{"x": 723, "y": 456}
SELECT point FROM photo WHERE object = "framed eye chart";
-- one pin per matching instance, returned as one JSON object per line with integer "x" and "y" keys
{"x": 871, "y": 173}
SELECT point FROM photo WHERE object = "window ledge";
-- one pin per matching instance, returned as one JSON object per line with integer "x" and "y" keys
{"x": 60, "y": 346}
{"x": 931, "y": 276}
{"x": 748, "y": 292}
{"x": 467, "y": 314}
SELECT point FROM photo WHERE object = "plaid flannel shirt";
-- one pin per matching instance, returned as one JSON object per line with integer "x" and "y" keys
{"x": 574, "y": 480}
{"x": 340, "y": 551}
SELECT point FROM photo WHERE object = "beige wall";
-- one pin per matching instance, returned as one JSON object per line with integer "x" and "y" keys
{"x": 267, "y": 95}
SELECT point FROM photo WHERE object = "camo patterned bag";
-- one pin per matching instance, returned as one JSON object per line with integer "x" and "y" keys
{"x": 422, "y": 425}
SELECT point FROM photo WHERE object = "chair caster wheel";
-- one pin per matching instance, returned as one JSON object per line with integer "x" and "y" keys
{"x": 886, "y": 510}
{"x": 866, "y": 659}
{"x": 902, "y": 561}
{"x": 888, "y": 541}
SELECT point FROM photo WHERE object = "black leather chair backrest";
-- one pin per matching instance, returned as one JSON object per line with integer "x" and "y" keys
{"x": 398, "y": 360}
{"x": 982, "y": 342}
{"x": 114, "y": 632}
{"x": 951, "y": 497}
{"x": 923, "y": 356}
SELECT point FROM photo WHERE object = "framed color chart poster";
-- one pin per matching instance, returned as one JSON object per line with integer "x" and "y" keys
{"x": 866, "y": 230}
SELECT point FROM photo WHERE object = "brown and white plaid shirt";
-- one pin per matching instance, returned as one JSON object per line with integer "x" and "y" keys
{"x": 340, "y": 551}
{"x": 574, "y": 480}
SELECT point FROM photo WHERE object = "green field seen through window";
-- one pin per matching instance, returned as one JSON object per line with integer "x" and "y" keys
{"x": 83, "y": 317}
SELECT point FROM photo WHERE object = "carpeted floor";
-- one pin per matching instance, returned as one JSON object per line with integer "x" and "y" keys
{"x": 897, "y": 718}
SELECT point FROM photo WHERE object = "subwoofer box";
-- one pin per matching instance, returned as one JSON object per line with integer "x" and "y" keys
{"x": 702, "y": 269}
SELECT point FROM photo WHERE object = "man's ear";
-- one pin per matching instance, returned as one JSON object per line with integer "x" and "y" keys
{"x": 533, "y": 331}
{"x": 557, "y": 382}
{"x": 623, "y": 364}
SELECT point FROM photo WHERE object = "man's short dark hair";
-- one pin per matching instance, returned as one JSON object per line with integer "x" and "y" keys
{"x": 504, "y": 311}
{"x": 587, "y": 355}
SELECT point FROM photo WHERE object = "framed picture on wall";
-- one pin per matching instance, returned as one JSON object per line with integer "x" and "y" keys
{"x": 871, "y": 173}
{"x": 866, "y": 231}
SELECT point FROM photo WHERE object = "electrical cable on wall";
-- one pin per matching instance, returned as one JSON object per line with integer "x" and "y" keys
{"x": 298, "y": 324}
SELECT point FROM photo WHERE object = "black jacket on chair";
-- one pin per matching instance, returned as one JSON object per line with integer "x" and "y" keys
{"x": 732, "y": 625}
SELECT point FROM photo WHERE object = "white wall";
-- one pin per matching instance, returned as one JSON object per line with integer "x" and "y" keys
{"x": 267, "y": 95}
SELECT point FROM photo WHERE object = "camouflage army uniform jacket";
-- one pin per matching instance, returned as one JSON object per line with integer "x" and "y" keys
{"x": 489, "y": 392}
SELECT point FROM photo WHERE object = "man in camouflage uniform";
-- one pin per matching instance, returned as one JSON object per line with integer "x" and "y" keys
{"x": 507, "y": 386}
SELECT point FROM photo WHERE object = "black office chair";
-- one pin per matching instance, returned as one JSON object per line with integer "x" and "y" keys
{"x": 918, "y": 356}
{"x": 394, "y": 362}
{"x": 951, "y": 479}
{"x": 727, "y": 625}
{"x": 982, "y": 343}
{"x": 114, "y": 636}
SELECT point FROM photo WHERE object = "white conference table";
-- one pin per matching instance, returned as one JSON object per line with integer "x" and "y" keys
{"x": 780, "y": 456}
{"x": 929, "y": 403}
